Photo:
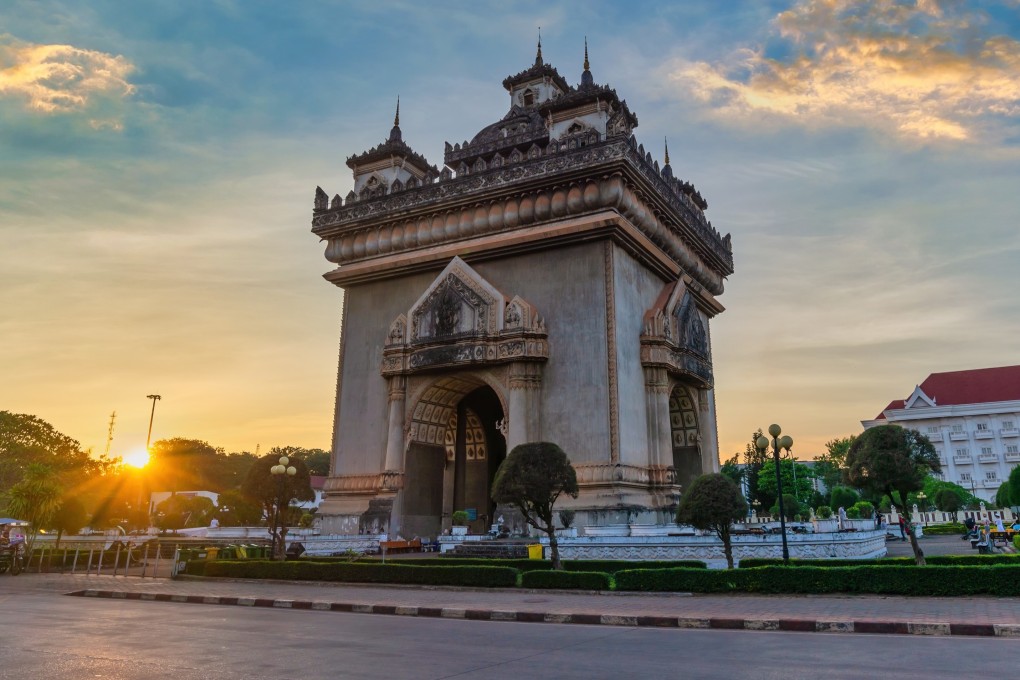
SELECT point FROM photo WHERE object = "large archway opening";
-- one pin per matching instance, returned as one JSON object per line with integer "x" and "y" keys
{"x": 685, "y": 435}
{"x": 455, "y": 449}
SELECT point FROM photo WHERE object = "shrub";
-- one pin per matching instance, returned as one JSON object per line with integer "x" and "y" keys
{"x": 1016, "y": 541}
{"x": 523, "y": 565}
{"x": 460, "y": 518}
{"x": 944, "y": 560}
{"x": 567, "y": 518}
{"x": 905, "y": 579}
{"x": 823, "y": 512}
{"x": 360, "y": 572}
{"x": 864, "y": 509}
{"x": 575, "y": 580}
{"x": 945, "y": 529}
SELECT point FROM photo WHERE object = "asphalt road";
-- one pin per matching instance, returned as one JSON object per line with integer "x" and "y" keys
{"x": 46, "y": 635}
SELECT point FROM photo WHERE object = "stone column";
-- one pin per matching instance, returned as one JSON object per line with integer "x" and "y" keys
{"x": 395, "y": 430}
{"x": 525, "y": 382}
{"x": 709, "y": 430}
{"x": 660, "y": 448}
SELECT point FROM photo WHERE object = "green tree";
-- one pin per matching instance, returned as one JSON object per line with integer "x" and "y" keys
{"x": 892, "y": 460}
{"x": 317, "y": 460}
{"x": 1014, "y": 485}
{"x": 237, "y": 510}
{"x": 69, "y": 518}
{"x": 532, "y": 478}
{"x": 830, "y": 465}
{"x": 753, "y": 462}
{"x": 35, "y": 499}
{"x": 275, "y": 492}
{"x": 842, "y": 497}
{"x": 1002, "y": 496}
{"x": 713, "y": 503}
{"x": 731, "y": 468}
{"x": 947, "y": 500}
{"x": 789, "y": 470}
{"x": 791, "y": 506}
{"x": 184, "y": 512}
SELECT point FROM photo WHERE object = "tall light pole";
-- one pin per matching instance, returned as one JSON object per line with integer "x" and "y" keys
{"x": 148, "y": 437}
{"x": 281, "y": 471}
{"x": 785, "y": 442}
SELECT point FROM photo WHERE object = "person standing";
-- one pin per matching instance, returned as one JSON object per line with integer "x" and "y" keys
{"x": 903, "y": 528}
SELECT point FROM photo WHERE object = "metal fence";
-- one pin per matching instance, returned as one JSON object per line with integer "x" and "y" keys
{"x": 152, "y": 559}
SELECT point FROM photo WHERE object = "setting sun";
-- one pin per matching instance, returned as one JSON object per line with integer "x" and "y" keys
{"x": 138, "y": 459}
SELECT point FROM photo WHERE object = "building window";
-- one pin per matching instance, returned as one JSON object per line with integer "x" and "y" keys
{"x": 1013, "y": 448}
{"x": 986, "y": 450}
{"x": 961, "y": 453}
{"x": 957, "y": 428}
{"x": 933, "y": 429}
{"x": 991, "y": 476}
{"x": 965, "y": 477}
{"x": 982, "y": 427}
{"x": 1007, "y": 425}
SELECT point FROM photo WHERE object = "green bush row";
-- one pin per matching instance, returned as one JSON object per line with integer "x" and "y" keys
{"x": 579, "y": 580}
{"x": 935, "y": 560}
{"x": 607, "y": 566}
{"x": 300, "y": 570}
{"x": 945, "y": 529}
{"x": 999, "y": 580}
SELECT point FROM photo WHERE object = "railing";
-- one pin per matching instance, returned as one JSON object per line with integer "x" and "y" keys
{"x": 154, "y": 559}
{"x": 963, "y": 460}
{"x": 958, "y": 436}
{"x": 1013, "y": 432}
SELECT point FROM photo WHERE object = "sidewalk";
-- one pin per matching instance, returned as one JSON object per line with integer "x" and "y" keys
{"x": 986, "y": 616}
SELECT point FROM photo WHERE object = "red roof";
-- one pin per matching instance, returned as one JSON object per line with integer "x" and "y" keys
{"x": 318, "y": 482}
{"x": 976, "y": 386}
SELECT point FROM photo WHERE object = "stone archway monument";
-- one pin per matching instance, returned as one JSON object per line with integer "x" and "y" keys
{"x": 552, "y": 282}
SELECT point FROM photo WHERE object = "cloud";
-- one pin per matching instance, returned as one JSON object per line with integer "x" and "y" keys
{"x": 63, "y": 79}
{"x": 920, "y": 70}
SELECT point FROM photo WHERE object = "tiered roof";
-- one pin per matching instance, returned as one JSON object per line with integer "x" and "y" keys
{"x": 975, "y": 386}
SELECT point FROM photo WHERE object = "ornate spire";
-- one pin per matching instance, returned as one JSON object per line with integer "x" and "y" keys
{"x": 586, "y": 78}
{"x": 667, "y": 171}
{"x": 395, "y": 132}
{"x": 666, "y": 141}
{"x": 538, "y": 55}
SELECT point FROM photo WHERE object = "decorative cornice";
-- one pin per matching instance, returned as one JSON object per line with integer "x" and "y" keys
{"x": 610, "y": 175}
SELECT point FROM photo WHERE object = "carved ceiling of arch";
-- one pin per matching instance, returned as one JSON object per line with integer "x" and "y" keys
{"x": 683, "y": 417}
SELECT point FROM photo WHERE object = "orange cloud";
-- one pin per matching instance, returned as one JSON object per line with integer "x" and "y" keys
{"x": 916, "y": 69}
{"x": 63, "y": 78}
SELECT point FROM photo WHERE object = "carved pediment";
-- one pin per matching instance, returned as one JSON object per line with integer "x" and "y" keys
{"x": 458, "y": 303}
{"x": 463, "y": 319}
{"x": 676, "y": 333}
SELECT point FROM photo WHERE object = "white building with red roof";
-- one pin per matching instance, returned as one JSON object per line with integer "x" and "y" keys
{"x": 973, "y": 419}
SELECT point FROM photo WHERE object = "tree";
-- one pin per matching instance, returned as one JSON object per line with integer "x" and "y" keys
{"x": 731, "y": 468}
{"x": 789, "y": 470}
{"x": 948, "y": 500}
{"x": 892, "y": 460}
{"x": 1014, "y": 485}
{"x": 753, "y": 462}
{"x": 35, "y": 499}
{"x": 791, "y": 506}
{"x": 182, "y": 512}
{"x": 532, "y": 478}
{"x": 842, "y": 497}
{"x": 713, "y": 503}
{"x": 180, "y": 464}
{"x": 275, "y": 492}
{"x": 237, "y": 510}
{"x": 317, "y": 460}
{"x": 69, "y": 518}
{"x": 1002, "y": 496}
{"x": 830, "y": 465}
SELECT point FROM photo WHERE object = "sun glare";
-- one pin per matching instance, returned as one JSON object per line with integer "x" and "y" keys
{"x": 138, "y": 459}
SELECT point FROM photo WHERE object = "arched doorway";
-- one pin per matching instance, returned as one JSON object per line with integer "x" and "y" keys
{"x": 684, "y": 433}
{"x": 455, "y": 449}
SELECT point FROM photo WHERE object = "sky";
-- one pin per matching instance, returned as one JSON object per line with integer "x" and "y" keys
{"x": 158, "y": 163}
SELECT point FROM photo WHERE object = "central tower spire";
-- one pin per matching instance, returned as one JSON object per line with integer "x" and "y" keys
{"x": 538, "y": 54}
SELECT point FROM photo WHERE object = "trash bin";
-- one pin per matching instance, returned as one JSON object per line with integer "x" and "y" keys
{"x": 535, "y": 551}
{"x": 212, "y": 553}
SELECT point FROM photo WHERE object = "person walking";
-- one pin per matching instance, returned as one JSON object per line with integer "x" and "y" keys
{"x": 903, "y": 528}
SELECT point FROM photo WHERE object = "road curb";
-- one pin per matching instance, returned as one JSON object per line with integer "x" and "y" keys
{"x": 803, "y": 625}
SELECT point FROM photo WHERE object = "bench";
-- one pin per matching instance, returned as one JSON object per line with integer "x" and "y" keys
{"x": 392, "y": 547}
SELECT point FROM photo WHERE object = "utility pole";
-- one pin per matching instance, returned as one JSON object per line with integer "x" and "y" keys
{"x": 109, "y": 435}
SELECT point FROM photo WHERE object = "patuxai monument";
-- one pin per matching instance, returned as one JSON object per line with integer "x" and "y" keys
{"x": 550, "y": 282}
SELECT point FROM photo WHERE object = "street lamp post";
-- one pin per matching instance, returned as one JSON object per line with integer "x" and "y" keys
{"x": 148, "y": 440}
{"x": 922, "y": 497}
{"x": 152, "y": 414}
{"x": 281, "y": 471}
{"x": 785, "y": 442}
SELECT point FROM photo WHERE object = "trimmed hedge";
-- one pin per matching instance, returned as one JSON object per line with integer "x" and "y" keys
{"x": 934, "y": 560}
{"x": 577, "y": 580}
{"x": 999, "y": 580}
{"x": 472, "y": 576}
{"x": 605, "y": 566}
{"x": 945, "y": 529}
